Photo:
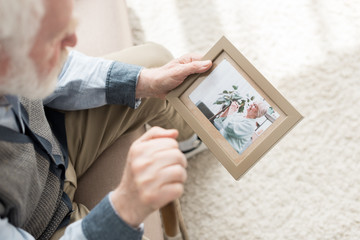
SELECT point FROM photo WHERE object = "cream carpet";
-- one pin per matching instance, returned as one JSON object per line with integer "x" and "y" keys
{"x": 308, "y": 186}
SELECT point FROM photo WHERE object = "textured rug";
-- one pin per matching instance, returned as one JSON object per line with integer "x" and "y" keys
{"x": 307, "y": 186}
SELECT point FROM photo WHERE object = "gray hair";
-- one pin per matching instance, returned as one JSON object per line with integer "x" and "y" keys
{"x": 19, "y": 24}
{"x": 262, "y": 109}
{"x": 19, "y": 21}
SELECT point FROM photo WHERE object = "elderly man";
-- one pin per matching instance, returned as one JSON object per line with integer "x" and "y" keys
{"x": 43, "y": 151}
{"x": 238, "y": 129}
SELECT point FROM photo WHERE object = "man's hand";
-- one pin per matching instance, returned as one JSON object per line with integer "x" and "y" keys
{"x": 154, "y": 176}
{"x": 157, "y": 82}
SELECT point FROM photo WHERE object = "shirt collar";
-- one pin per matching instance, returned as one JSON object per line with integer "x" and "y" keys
{"x": 4, "y": 102}
{"x": 8, "y": 117}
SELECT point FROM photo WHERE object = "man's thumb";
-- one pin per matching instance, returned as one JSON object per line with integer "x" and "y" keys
{"x": 199, "y": 66}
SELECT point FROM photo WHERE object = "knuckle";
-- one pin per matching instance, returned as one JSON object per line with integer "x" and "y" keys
{"x": 173, "y": 143}
{"x": 144, "y": 181}
{"x": 148, "y": 197}
{"x": 140, "y": 183}
{"x": 140, "y": 165}
{"x": 181, "y": 174}
{"x": 134, "y": 150}
{"x": 180, "y": 158}
{"x": 178, "y": 172}
{"x": 136, "y": 166}
{"x": 178, "y": 190}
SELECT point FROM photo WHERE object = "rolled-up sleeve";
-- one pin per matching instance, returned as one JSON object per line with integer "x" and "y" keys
{"x": 88, "y": 82}
{"x": 121, "y": 84}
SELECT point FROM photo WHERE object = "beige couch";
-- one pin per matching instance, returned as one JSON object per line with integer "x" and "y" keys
{"x": 104, "y": 28}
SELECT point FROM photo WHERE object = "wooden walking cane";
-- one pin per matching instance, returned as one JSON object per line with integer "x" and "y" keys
{"x": 170, "y": 220}
{"x": 173, "y": 221}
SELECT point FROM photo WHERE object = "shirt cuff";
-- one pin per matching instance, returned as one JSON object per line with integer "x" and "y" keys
{"x": 121, "y": 84}
{"x": 104, "y": 223}
{"x": 140, "y": 227}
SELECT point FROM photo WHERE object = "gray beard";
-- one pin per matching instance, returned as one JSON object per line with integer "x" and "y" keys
{"x": 24, "y": 81}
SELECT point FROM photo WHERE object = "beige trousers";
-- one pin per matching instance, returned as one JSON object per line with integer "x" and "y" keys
{"x": 98, "y": 139}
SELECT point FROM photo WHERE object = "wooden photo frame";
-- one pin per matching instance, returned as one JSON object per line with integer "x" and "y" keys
{"x": 234, "y": 110}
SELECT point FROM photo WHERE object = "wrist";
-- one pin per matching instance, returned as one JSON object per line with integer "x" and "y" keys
{"x": 126, "y": 209}
{"x": 143, "y": 89}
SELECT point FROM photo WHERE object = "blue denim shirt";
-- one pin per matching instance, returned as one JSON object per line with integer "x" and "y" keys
{"x": 86, "y": 82}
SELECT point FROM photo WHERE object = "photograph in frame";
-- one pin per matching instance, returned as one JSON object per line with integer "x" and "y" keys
{"x": 234, "y": 110}
{"x": 233, "y": 106}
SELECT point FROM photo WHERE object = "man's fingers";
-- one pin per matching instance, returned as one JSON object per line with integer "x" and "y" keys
{"x": 172, "y": 174}
{"x": 158, "y": 158}
{"x": 189, "y": 58}
{"x": 157, "y": 132}
{"x": 196, "y": 67}
{"x": 171, "y": 157}
{"x": 170, "y": 192}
